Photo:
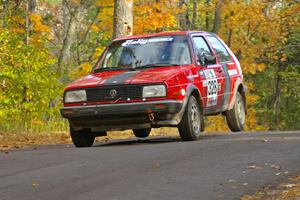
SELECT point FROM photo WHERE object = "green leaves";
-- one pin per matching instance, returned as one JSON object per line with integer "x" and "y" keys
{"x": 29, "y": 87}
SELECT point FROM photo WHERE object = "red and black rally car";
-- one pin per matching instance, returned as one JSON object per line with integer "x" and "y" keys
{"x": 157, "y": 80}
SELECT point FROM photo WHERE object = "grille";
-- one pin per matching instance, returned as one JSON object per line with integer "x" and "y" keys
{"x": 121, "y": 92}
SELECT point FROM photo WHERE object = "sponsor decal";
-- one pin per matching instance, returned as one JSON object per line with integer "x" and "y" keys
{"x": 209, "y": 73}
{"x": 219, "y": 87}
{"x": 201, "y": 73}
{"x": 192, "y": 76}
{"x": 232, "y": 72}
{"x": 146, "y": 41}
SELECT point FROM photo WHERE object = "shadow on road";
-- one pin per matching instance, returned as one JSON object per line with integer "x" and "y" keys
{"x": 150, "y": 140}
{"x": 136, "y": 141}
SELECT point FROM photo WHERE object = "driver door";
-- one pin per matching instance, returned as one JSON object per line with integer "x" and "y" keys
{"x": 211, "y": 76}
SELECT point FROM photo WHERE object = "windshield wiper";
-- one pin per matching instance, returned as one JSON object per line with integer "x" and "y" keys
{"x": 156, "y": 65}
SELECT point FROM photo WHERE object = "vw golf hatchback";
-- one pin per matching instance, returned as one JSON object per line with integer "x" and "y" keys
{"x": 169, "y": 79}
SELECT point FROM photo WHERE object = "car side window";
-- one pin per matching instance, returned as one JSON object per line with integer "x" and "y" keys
{"x": 201, "y": 49}
{"x": 221, "y": 52}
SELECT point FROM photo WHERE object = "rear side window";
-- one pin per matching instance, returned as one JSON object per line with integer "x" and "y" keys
{"x": 221, "y": 52}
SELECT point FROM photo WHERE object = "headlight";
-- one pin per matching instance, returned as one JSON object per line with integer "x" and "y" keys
{"x": 75, "y": 96}
{"x": 154, "y": 91}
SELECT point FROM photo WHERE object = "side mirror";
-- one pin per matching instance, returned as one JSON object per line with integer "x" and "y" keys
{"x": 209, "y": 60}
{"x": 201, "y": 59}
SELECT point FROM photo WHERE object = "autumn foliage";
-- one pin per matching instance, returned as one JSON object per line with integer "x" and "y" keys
{"x": 44, "y": 47}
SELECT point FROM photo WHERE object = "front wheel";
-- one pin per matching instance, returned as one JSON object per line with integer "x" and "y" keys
{"x": 82, "y": 138}
{"x": 191, "y": 124}
{"x": 141, "y": 133}
{"x": 236, "y": 116}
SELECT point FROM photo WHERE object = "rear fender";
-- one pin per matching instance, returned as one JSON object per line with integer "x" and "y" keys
{"x": 241, "y": 88}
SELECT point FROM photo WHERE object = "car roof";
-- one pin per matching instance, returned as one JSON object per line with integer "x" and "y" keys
{"x": 167, "y": 33}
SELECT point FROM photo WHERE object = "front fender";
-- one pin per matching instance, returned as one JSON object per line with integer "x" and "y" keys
{"x": 190, "y": 90}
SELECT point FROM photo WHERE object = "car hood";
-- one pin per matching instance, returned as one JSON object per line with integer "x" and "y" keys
{"x": 150, "y": 75}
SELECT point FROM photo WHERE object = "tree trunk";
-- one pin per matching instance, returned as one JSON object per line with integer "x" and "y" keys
{"x": 194, "y": 20}
{"x": 207, "y": 16}
{"x": 276, "y": 105}
{"x": 31, "y": 6}
{"x": 5, "y": 12}
{"x": 184, "y": 21}
{"x": 277, "y": 94}
{"x": 218, "y": 13}
{"x": 123, "y": 18}
{"x": 69, "y": 24}
{"x": 229, "y": 39}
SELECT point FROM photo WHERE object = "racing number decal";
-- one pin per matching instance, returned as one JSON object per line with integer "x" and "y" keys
{"x": 212, "y": 87}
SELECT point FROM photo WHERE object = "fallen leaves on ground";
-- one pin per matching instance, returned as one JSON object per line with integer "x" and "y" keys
{"x": 157, "y": 166}
{"x": 288, "y": 190}
{"x": 35, "y": 184}
{"x": 20, "y": 140}
{"x": 275, "y": 167}
{"x": 254, "y": 167}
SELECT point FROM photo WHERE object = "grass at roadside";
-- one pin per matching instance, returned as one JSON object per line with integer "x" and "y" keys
{"x": 287, "y": 190}
{"x": 20, "y": 140}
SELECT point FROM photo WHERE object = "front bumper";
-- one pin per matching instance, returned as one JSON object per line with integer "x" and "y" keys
{"x": 123, "y": 116}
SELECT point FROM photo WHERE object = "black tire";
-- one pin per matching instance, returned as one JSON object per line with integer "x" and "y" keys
{"x": 141, "y": 133}
{"x": 191, "y": 124}
{"x": 82, "y": 138}
{"x": 236, "y": 116}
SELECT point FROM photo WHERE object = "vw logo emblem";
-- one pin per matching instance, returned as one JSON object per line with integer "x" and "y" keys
{"x": 113, "y": 93}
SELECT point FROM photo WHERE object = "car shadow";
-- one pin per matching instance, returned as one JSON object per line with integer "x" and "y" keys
{"x": 149, "y": 140}
{"x": 136, "y": 141}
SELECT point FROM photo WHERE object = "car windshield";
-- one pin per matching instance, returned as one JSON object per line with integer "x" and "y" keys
{"x": 145, "y": 52}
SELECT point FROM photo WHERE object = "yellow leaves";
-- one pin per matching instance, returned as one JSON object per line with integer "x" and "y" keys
{"x": 105, "y": 3}
{"x": 154, "y": 15}
{"x": 17, "y": 19}
{"x": 95, "y": 28}
{"x": 17, "y": 24}
{"x": 81, "y": 71}
{"x": 105, "y": 25}
{"x": 216, "y": 124}
{"x": 283, "y": 58}
{"x": 261, "y": 67}
{"x": 258, "y": 30}
{"x": 250, "y": 86}
{"x": 98, "y": 53}
{"x": 85, "y": 68}
{"x": 38, "y": 26}
{"x": 252, "y": 123}
{"x": 251, "y": 99}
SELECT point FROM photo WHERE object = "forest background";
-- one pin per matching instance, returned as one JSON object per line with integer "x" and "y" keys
{"x": 45, "y": 44}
